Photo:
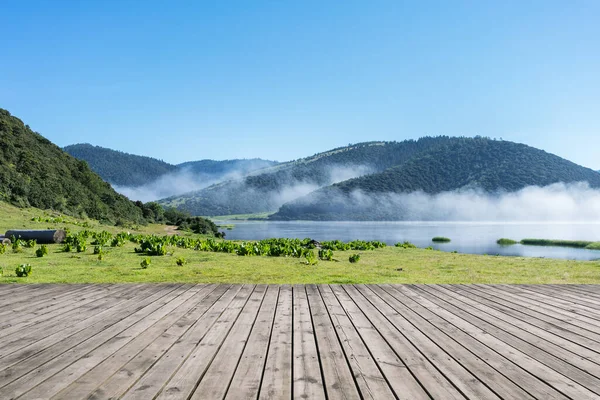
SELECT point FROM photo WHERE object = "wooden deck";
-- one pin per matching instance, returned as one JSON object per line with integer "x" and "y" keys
{"x": 173, "y": 341}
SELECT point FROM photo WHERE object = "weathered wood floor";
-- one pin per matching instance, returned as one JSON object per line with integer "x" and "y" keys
{"x": 172, "y": 341}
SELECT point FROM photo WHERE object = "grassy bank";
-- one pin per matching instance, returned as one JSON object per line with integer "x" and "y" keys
{"x": 401, "y": 264}
{"x": 387, "y": 265}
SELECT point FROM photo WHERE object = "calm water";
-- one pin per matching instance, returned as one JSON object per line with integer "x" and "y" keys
{"x": 467, "y": 237}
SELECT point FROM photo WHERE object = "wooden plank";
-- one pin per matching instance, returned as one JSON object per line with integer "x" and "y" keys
{"x": 215, "y": 382}
{"x": 43, "y": 365}
{"x": 379, "y": 373}
{"x": 554, "y": 303}
{"x": 564, "y": 299}
{"x": 565, "y": 317}
{"x": 44, "y": 305}
{"x": 248, "y": 375}
{"x": 35, "y": 329}
{"x": 157, "y": 321}
{"x": 9, "y": 290}
{"x": 571, "y": 352}
{"x": 153, "y": 381}
{"x": 578, "y": 291}
{"x": 507, "y": 379}
{"x": 440, "y": 375}
{"x": 28, "y": 304}
{"x": 588, "y": 290}
{"x": 40, "y": 345}
{"x": 523, "y": 314}
{"x": 513, "y": 348}
{"x": 308, "y": 383}
{"x": 567, "y": 294}
{"x": 178, "y": 335}
{"x": 87, "y": 382}
{"x": 277, "y": 375}
{"x": 337, "y": 375}
{"x": 183, "y": 383}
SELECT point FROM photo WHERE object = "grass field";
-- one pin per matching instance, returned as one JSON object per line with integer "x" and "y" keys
{"x": 388, "y": 265}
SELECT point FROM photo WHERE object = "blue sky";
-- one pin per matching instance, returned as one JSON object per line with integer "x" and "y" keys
{"x": 281, "y": 80}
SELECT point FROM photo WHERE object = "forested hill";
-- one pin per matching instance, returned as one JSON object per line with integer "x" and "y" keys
{"x": 120, "y": 168}
{"x": 130, "y": 170}
{"x": 267, "y": 190}
{"x": 35, "y": 172}
{"x": 462, "y": 163}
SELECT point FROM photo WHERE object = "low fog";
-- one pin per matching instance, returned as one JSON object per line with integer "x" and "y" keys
{"x": 174, "y": 184}
{"x": 557, "y": 202}
{"x": 186, "y": 181}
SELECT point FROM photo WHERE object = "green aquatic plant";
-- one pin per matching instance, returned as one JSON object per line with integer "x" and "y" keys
{"x": 506, "y": 242}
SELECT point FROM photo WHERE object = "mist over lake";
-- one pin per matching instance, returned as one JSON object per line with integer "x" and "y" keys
{"x": 467, "y": 237}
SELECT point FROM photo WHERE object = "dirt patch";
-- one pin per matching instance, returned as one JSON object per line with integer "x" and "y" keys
{"x": 170, "y": 230}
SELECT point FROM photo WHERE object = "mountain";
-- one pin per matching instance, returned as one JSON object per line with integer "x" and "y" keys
{"x": 268, "y": 189}
{"x": 35, "y": 172}
{"x": 149, "y": 179}
{"x": 120, "y": 168}
{"x": 460, "y": 164}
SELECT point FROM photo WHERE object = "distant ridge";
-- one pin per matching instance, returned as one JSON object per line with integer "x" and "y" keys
{"x": 120, "y": 168}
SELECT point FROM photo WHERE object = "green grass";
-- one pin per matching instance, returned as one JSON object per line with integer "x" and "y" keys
{"x": 377, "y": 266}
{"x": 385, "y": 265}
{"x": 441, "y": 239}
{"x": 506, "y": 242}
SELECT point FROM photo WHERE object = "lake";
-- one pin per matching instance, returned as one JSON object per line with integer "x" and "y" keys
{"x": 467, "y": 237}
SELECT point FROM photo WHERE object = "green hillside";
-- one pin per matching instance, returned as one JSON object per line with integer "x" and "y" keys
{"x": 120, "y": 168}
{"x": 268, "y": 189}
{"x": 130, "y": 170}
{"x": 462, "y": 163}
{"x": 35, "y": 172}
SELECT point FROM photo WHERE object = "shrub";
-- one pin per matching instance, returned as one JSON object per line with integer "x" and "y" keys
{"x": 97, "y": 249}
{"x": 326, "y": 255}
{"x": 30, "y": 244}
{"x": 41, "y": 251}
{"x": 441, "y": 239}
{"x": 145, "y": 263}
{"x": 506, "y": 242}
{"x": 311, "y": 259}
{"x": 406, "y": 245}
{"x": 593, "y": 246}
{"x": 68, "y": 247}
{"x": 354, "y": 258}
{"x": 100, "y": 256}
{"x": 17, "y": 244}
{"x": 23, "y": 270}
{"x": 2, "y": 248}
{"x": 180, "y": 261}
{"x": 81, "y": 247}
